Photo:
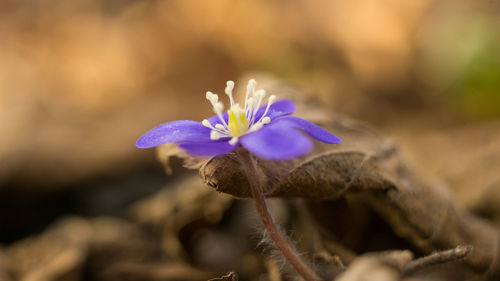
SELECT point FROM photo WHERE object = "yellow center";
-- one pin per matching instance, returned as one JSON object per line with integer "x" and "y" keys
{"x": 238, "y": 122}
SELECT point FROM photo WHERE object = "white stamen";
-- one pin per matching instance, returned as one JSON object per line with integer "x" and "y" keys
{"x": 214, "y": 135}
{"x": 249, "y": 107}
{"x": 213, "y": 98}
{"x": 251, "y": 86}
{"x": 218, "y": 107}
{"x": 259, "y": 95}
{"x": 266, "y": 120}
{"x": 271, "y": 99}
{"x": 269, "y": 103}
{"x": 255, "y": 127}
{"x": 219, "y": 128}
{"x": 233, "y": 140}
{"x": 250, "y": 90}
{"x": 229, "y": 91}
{"x": 206, "y": 123}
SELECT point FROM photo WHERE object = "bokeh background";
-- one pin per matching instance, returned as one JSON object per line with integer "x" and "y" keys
{"x": 81, "y": 80}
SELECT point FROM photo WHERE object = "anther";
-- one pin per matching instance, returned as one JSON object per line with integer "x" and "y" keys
{"x": 256, "y": 127}
{"x": 266, "y": 120}
{"x": 229, "y": 87}
{"x": 229, "y": 91}
{"x": 220, "y": 127}
{"x": 250, "y": 89}
{"x": 207, "y": 124}
{"x": 271, "y": 99}
{"x": 251, "y": 84}
{"x": 214, "y": 135}
{"x": 260, "y": 94}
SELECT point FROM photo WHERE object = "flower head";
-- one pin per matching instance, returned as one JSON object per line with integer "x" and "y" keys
{"x": 266, "y": 131}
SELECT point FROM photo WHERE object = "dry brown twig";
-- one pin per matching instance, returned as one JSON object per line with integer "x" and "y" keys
{"x": 451, "y": 255}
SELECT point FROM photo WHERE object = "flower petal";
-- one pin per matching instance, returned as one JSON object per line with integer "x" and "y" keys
{"x": 308, "y": 127}
{"x": 277, "y": 109}
{"x": 275, "y": 142}
{"x": 176, "y": 131}
{"x": 208, "y": 149}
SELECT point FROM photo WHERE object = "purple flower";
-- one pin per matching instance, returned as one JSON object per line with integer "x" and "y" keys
{"x": 266, "y": 131}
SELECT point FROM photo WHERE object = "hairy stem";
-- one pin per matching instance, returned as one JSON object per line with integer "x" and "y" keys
{"x": 278, "y": 238}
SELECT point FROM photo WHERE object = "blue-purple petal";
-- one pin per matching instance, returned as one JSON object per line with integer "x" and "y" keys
{"x": 208, "y": 149}
{"x": 176, "y": 131}
{"x": 275, "y": 142}
{"x": 311, "y": 129}
{"x": 279, "y": 108}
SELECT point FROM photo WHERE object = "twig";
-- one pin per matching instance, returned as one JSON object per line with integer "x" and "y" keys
{"x": 278, "y": 238}
{"x": 455, "y": 254}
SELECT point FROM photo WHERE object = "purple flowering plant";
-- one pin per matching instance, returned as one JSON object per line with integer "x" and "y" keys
{"x": 267, "y": 131}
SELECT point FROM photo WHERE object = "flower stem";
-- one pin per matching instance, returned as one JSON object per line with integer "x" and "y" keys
{"x": 278, "y": 238}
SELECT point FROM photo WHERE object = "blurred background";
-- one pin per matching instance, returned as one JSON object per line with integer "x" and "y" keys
{"x": 81, "y": 80}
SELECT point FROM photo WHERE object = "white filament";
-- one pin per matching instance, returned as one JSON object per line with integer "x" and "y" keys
{"x": 253, "y": 100}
